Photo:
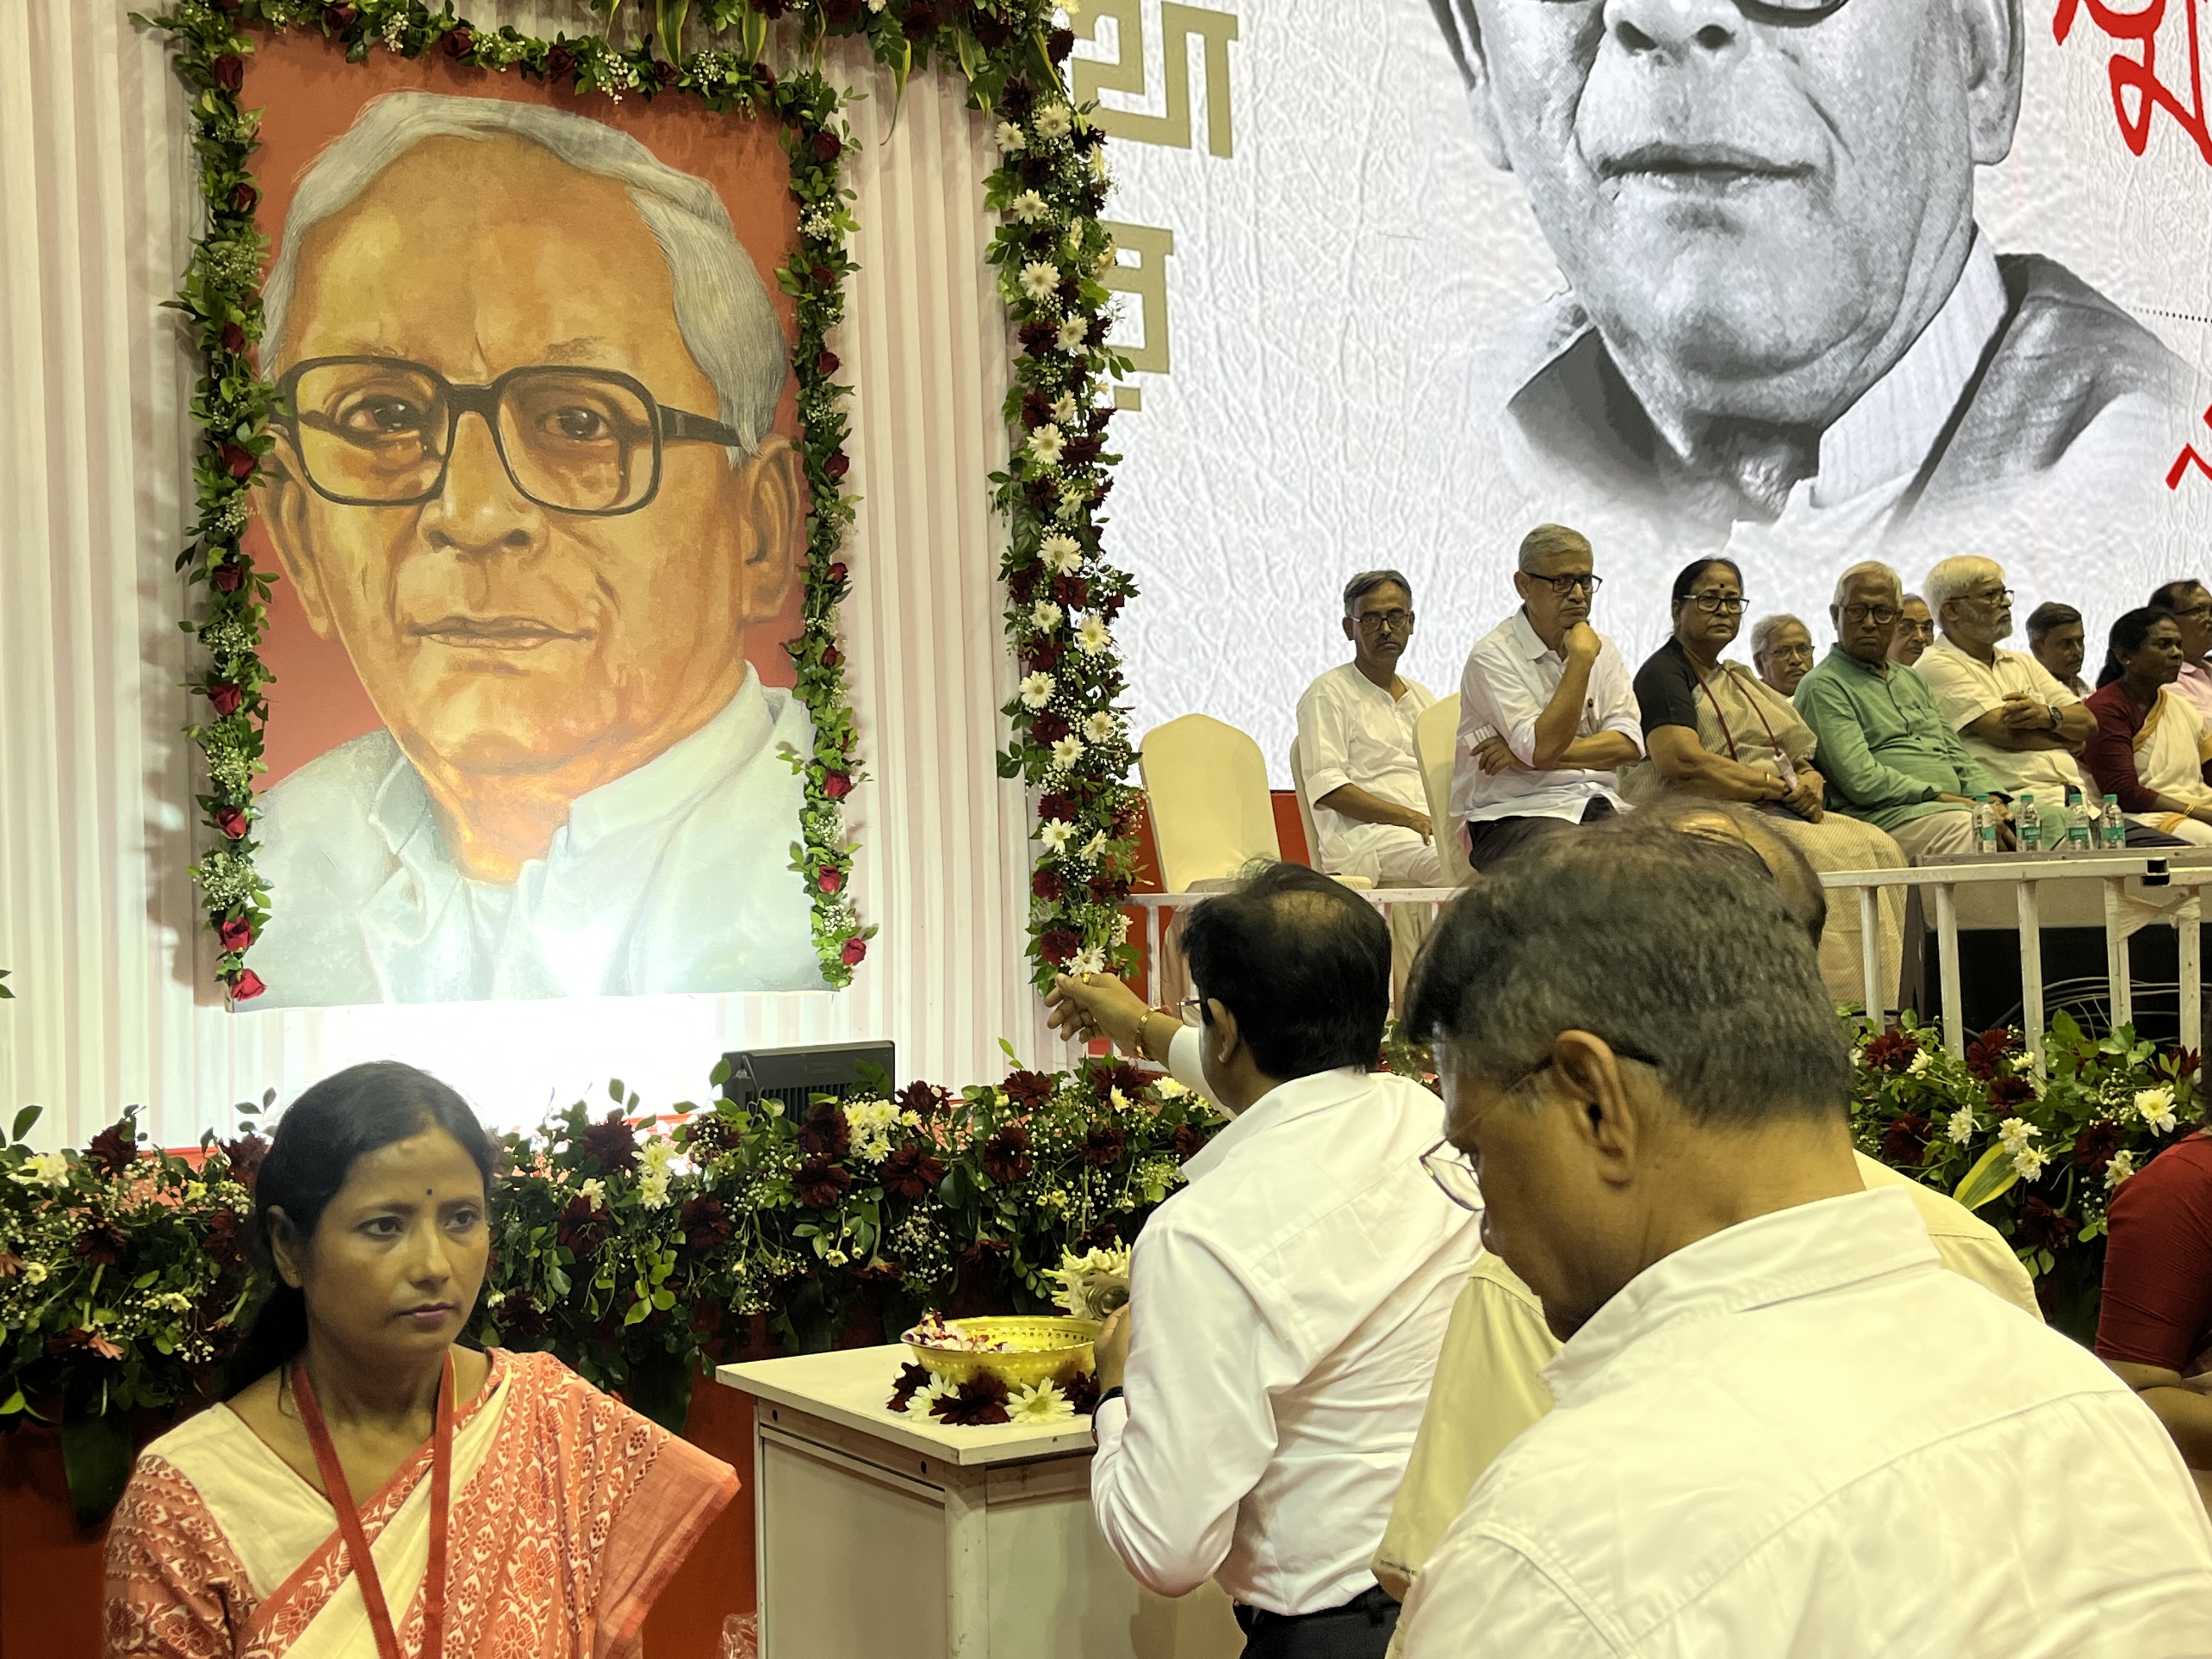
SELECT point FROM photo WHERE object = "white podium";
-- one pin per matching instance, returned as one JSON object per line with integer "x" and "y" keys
{"x": 886, "y": 1536}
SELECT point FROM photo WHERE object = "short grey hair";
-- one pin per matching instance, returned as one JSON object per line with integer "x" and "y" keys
{"x": 722, "y": 308}
{"x": 1546, "y": 540}
{"x": 1868, "y": 567}
{"x": 1951, "y": 579}
{"x": 1678, "y": 949}
{"x": 1764, "y": 630}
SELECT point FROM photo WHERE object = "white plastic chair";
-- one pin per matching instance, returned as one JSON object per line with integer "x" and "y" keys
{"x": 1205, "y": 787}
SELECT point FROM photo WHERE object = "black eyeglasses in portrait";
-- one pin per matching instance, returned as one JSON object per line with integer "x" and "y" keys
{"x": 379, "y": 431}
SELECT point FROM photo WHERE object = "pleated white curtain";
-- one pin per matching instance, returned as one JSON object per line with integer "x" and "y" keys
{"x": 97, "y": 918}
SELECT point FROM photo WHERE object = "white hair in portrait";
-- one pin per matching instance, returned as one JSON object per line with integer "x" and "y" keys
{"x": 1869, "y": 570}
{"x": 722, "y": 309}
{"x": 1952, "y": 578}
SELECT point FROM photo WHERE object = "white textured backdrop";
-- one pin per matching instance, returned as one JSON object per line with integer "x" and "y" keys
{"x": 1331, "y": 277}
{"x": 98, "y": 919}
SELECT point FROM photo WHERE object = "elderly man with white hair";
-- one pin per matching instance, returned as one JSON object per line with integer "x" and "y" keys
{"x": 1781, "y": 652}
{"x": 2021, "y": 725}
{"x": 529, "y": 481}
{"x": 1885, "y": 751}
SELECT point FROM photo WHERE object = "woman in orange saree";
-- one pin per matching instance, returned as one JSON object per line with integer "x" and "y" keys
{"x": 510, "y": 1510}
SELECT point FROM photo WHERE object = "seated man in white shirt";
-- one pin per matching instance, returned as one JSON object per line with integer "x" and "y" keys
{"x": 1263, "y": 1387}
{"x": 2024, "y": 727}
{"x": 1547, "y": 709}
{"x": 1781, "y": 1427}
{"x": 1356, "y": 752}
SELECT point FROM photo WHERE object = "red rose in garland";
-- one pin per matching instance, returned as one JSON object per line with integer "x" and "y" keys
{"x": 235, "y": 934}
{"x": 237, "y": 460}
{"x": 228, "y": 576}
{"x": 232, "y": 821}
{"x": 1906, "y": 1140}
{"x": 1006, "y": 1155}
{"x": 229, "y": 71}
{"x": 853, "y": 951}
{"x": 460, "y": 42}
{"x": 243, "y": 198}
{"x": 111, "y": 1151}
{"x": 560, "y": 64}
{"x": 613, "y": 1144}
{"x": 246, "y": 986}
{"x": 829, "y": 881}
{"x": 234, "y": 339}
{"x": 819, "y": 1183}
{"x": 1986, "y": 1052}
{"x": 825, "y": 1132}
{"x": 836, "y": 785}
{"x": 911, "y": 1172}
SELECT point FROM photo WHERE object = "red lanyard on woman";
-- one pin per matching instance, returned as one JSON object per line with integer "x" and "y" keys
{"x": 1788, "y": 768}
{"x": 341, "y": 1497}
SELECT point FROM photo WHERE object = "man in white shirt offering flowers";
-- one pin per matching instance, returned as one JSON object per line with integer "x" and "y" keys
{"x": 1265, "y": 1383}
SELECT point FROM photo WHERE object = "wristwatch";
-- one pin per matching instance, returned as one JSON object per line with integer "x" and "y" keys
{"x": 2054, "y": 717}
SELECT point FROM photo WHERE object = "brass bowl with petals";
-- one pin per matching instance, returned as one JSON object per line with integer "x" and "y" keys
{"x": 1045, "y": 1347}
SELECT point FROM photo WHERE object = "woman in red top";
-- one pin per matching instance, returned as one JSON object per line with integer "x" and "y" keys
{"x": 2149, "y": 748}
{"x": 2155, "y": 1325}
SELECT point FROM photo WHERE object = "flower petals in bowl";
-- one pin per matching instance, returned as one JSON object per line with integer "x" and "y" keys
{"x": 1019, "y": 1349}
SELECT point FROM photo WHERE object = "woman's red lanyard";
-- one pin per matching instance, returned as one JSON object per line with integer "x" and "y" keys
{"x": 341, "y": 1497}
{"x": 1788, "y": 768}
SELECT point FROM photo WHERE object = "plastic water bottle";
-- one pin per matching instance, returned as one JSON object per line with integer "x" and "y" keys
{"x": 1986, "y": 826}
{"x": 2078, "y": 836}
{"x": 2029, "y": 822}
{"x": 2111, "y": 828}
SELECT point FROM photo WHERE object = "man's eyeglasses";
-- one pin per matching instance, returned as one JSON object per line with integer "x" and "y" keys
{"x": 378, "y": 432}
{"x": 1714, "y": 604}
{"x": 1996, "y": 595}
{"x": 2195, "y": 612}
{"x": 1880, "y": 616}
{"x": 1385, "y": 621}
{"x": 1569, "y": 584}
{"x": 1191, "y": 1010}
{"x": 1453, "y": 1170}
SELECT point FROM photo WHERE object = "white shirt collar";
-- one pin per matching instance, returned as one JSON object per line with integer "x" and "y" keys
{"x": 1525, "y": 637}
{"x": 1803, "y": 1251}
{"x": 1285, "y": 1102}
{"x": 1884, "y": 437}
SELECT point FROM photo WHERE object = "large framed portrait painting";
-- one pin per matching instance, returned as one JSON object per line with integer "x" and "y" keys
{"x": 540, "y": 524}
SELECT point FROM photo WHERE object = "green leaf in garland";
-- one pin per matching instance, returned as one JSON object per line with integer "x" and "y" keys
{"x": 1992, "y": 1176}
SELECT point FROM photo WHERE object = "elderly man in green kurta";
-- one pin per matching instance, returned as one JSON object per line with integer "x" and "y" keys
{"x": 1887, "y": 751}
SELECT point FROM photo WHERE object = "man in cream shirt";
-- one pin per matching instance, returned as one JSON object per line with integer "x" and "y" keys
{"x": 529, "y": 481}
{"x": 1286, "y": 1307}
{"x": 1780, "y": 1427}
{"x": 1356, "y": 756}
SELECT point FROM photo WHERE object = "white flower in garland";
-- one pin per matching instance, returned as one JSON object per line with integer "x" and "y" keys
{"x": 1046, "y": 615}
{"x": 1920, "y": 1062}
{"x": 1036, "y": 690}
{"x": 1054, "y": 121}
{"x": 1962, "y": 1125}
{"x": 1074, "y": 329}
{"x": 1055, "y": 834}
{"x": 1119, "y": 931}
{"x": 1101, "y": 727}
{"x": 1039, "y": 1402}
{"x": 2016, "y": 1135}
{"x": 1168, "y": 1089}
{"x": 1092, "y": 960}
{"x": 1068, "y": 751}
{"x": 872, "y": 1123}
{"x": 2122, "y": 1166}
{"x": 43, "y": 1170}
{"x": 2155, "y": 1108}
{"x": 1111, "y": 255}
{"x": 1074, "y": 497}
{"x": 1063, "y": 406}
{"x": 1094, "y": 846}
{"x": 1010, "y": 137}
{"x": 1061, "y": 553}
{"x": 1040, "y": 281}
{"x": 1046, "y": 444}
{"x": 592, "y": 1190}
{"x": 658, "y": 1155}
{"x": 1093, "y": 637}
{"x": 1029, "y": 207}
{"x": 1098, "y": 163}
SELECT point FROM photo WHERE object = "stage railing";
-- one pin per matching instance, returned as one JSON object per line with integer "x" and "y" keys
{"x": 2027, "y": 876}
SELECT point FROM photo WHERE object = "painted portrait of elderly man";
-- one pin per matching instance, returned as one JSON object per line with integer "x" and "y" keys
{"x": 528, "y": 481}
{"x": 1782, "y": 328}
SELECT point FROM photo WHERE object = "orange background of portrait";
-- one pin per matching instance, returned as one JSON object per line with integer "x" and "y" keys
{"x": 309, "y": 95}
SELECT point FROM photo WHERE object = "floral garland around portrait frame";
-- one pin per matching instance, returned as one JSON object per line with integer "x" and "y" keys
{"x": 1068, "y": 740}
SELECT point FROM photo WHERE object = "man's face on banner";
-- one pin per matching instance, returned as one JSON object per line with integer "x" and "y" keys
{"x": 493, "y": 633}
{"x": 1752, "y": 207}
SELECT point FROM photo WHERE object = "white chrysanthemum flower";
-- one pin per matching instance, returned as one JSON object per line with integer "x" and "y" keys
{"x": 2017, "y": 1132}
{"x": 1039, "y": 1402}
{"x": 1055, "y": 834}
{"x": 1039, "y": 280}
{"x": 1029, "y": 207}
{"x": 1098, "y": 163}
{"x": 1095, "y": 846}
{"x": 1036, "y": 690}
{"x": 1119, "y": 931}
{"x": 652, "y": 1189}
{"x": 44, "y": 1169}
{"x": 1109, "y": 256}
{"x": 1920, "y": 1063}
{"x": 1068, "y": 751}
{"x": 1046, "y": 615}
{"x": 2122, "y": 1166}
{"x": 1054, "y": 121}
{"x": 1093, "y": 637}
{"x": 1046, "y": 444}
{"x": 1063, "y": 407}
{"x": 592, "y": 1190}
{"x": 1091, "y": 960}
{"x": 1074, "y": 329}
{"x": 1074, "y": 496}
{"x": 1010, "y": 137}
{"x": 1101, "y": 727}
{"x": 1061, "y": 553}
{"x": 1168, "y": 1089}
{"x": 1962, "y": 1125}
{"x": 2155, "y": 1108}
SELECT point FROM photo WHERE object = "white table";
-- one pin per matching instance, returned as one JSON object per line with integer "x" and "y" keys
{"x": 883, "y": 1536}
